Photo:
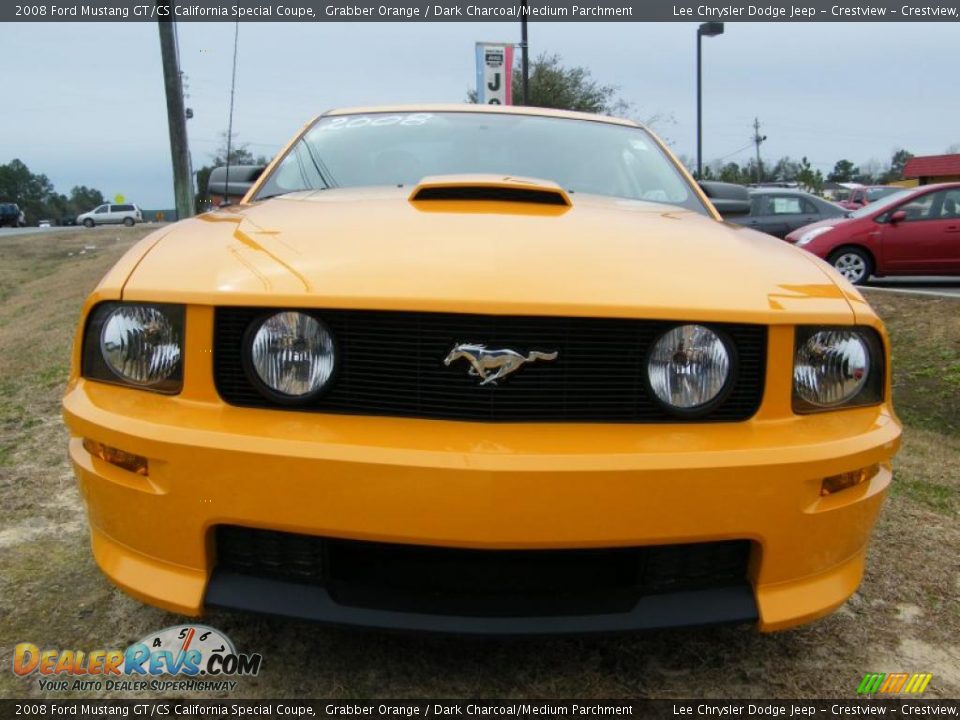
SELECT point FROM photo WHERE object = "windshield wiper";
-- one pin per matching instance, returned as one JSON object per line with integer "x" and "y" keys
{"x": 322, "y": 170}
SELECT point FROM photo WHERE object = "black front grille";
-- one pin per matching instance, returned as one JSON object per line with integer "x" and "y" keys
{"x": 453, "y": 581}
{"x": 391, "y": 363}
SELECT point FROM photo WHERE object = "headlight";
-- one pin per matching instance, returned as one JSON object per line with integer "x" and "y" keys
{"x": 137, "y": 344}
{"x": 836, "y": 367}
{"x": 291, "y": 355}
{"x": 688, "y": 367}
{"x": 809, "y": 236}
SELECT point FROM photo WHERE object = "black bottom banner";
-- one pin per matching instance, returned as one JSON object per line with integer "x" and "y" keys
{"x": 478, "y": 708}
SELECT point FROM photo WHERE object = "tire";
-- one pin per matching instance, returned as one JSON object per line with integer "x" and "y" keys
{"x": 129, "y": 221}
{"x": 87, "y": 223}
{"x": 853, "y": 263}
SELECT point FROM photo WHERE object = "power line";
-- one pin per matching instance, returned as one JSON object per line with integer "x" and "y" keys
{"x": 735, "y": 152}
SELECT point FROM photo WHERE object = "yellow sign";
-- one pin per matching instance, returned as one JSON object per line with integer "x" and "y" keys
{"x": 119, "y": 199}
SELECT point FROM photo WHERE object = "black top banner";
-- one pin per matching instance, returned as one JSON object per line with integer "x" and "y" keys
{"x": 479, "y": 11}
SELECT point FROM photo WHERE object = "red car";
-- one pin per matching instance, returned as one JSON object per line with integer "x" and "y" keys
{"x": 861, "y": 197}
{"x": 912, "y": 232}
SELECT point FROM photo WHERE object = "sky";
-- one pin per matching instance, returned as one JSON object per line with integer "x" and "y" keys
{"x": 89, "y": 106}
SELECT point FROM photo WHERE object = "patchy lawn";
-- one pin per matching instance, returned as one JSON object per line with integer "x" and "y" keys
{"x": 906, "y": 616}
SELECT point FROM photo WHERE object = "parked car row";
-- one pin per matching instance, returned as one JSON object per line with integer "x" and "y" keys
{"x": 911, "y": 232}
{"x": 898, "y": 232}
{"x": 108, "y": 213}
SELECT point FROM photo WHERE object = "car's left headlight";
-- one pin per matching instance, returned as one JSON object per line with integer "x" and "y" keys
{"x": 837, "y": 367}
{"x": 688, "y": 368}
{"x": 809, "y": 236}
{"x": 136, "y": 344}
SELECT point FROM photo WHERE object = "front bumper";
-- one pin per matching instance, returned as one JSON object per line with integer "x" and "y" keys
{"x": 475, "y": 485}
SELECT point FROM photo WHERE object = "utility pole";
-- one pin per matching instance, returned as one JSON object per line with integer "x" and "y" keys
{"x": 176, "y": 113}
{"x": 525, "y": 59}
{"x": 757, "y": 139}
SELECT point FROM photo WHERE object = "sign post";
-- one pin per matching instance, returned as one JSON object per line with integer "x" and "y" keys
{"x": 494, "y": 73}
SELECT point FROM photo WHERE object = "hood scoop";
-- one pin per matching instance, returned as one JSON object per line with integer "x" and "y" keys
{"x": 489, "y": 188}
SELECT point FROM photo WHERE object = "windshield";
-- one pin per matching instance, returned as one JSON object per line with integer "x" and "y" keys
{"x": 881, "y": 192}
{"x": 399, "y": 149}
{"x": 889, "y": 200}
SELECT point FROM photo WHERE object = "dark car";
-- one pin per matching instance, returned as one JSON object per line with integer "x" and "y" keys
{"x": 912, "y": 232}
{"x": 778, "y": 211}
{"x": 11, "y": 215}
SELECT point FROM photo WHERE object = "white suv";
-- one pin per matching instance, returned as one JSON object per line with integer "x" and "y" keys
{"x": 106, "y": 214}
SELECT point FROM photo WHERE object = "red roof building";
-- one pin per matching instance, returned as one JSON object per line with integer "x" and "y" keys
{"x": 933, "y": 168}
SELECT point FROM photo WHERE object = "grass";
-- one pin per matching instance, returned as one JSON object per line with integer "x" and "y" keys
{"x": 926, "y": 356}
{"x": 937, "y": 497}
{"x": 906, "y": 616}
{"x": 925, "y": 333}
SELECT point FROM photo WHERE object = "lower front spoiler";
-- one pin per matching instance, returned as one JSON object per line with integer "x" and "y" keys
{"x": 233, "y": 591}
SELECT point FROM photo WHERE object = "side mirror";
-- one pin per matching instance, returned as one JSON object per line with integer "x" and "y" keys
{"x": 729, "y": 199}
{"x": 241, "y": 179}
{"x": 898, "y": 216}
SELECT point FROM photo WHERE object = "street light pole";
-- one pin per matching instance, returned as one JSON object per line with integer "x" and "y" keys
{"x": 709, "y": 29}
{"x": 525, "y": 60}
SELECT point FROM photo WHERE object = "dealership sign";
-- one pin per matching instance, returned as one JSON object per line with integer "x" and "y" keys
{"x": 494, "y": 72}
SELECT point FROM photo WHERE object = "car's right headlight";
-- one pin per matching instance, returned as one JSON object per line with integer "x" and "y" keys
{"x": 136, "y": 344}
{"x": 837, "y": 367}
{"x": 290, "y": 356}
{"x": 810, "y": 235}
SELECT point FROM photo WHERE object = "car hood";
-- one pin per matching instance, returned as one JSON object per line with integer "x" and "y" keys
{"x": 375, "y": 249}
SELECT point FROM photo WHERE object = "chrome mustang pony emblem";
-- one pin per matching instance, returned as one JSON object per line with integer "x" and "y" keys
{"x": 500, "y": 362}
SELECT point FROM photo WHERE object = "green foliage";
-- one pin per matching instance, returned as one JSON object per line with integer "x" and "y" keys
{"x": 37, "y": 198}
{"x": 733, "y": 173}
{"x": 899, "y": 159}
{"x": 552, "y": 85}
{"x": 808, "y": 178}
{"x": 31, "y": 192}
{"x": 843, "y": 171}
{"x": 568, "y": 88}
{"x": 84, "y": 198}
{"x": 785, "y": 169}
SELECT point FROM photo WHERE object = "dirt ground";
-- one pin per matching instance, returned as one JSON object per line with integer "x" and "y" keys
{"x": 905, "y": 617}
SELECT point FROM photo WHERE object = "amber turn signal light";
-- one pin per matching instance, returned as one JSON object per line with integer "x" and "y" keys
{"x": 121, "y": 458}
{"x": 836, "y": 483}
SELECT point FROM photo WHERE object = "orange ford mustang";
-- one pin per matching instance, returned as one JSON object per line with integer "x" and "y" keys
{"x": 480, "y": 370}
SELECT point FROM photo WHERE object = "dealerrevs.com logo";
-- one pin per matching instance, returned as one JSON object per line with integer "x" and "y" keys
{"x": 202, "y": 656}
